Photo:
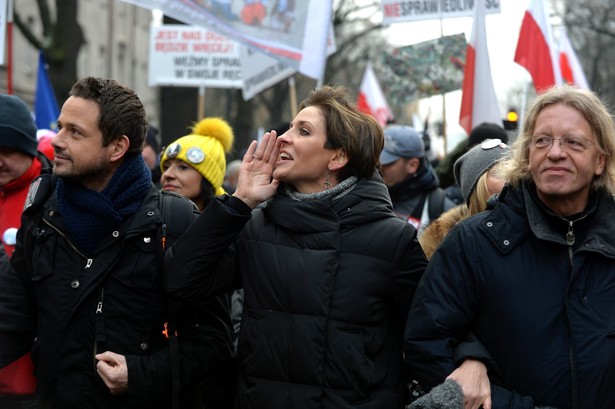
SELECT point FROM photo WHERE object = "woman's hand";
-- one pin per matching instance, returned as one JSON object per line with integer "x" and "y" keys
{"x": 472, "y": 376}
{"x": 255, "y": 184}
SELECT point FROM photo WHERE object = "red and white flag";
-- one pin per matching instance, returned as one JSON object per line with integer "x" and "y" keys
{"x": 478, "y": 100}
{"x": 572, "y": 72}
{"x": 371, "y": 98}
{"x": 536, "y": 50}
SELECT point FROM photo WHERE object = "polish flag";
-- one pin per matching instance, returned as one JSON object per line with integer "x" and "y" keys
{"x": 536, "y": 50}
{"x": 572, "y": 72}
{"x": 371, "y": 98}
{"x": 478, "y": 100}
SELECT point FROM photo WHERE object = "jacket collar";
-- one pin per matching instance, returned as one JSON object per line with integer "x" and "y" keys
{"x": 519, "y": 214}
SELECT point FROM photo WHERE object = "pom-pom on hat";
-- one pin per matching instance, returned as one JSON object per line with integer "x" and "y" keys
{"x": 204, "y": 149}
{"x": 478, "y": 160}
{"x": 17, "y": 128}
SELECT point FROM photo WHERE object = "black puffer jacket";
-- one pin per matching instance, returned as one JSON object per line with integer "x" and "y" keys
{"x": 327, "y": 286}
{"x": 543, "y": 308}
{"x": 78, "y": 306}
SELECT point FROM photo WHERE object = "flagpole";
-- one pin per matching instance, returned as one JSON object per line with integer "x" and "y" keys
{"x": 526, "y": 84}
{"x": 201, "y": 103}
{"x": 293, "y": 96}
{"x": 9, "y": 35}
{"x": 443, "y": 100}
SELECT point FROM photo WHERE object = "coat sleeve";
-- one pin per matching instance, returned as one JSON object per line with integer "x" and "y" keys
{"x": 441, "y": 313}
{"x": 409, "y": 268}
{"x": 439, "y": 324}
{"x": 201, "y": 262}
{"x": 149, "y": 379}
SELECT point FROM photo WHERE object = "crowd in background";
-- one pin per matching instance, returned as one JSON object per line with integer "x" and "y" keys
{"x": 332, "y": 265}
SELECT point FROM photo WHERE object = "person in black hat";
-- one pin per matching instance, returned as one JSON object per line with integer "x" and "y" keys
{"x": 410, "y": 178}
{"x": 20, "y": 164}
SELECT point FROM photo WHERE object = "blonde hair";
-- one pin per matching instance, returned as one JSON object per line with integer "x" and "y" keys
{"x": 595, "y": 113}
{"x": 477, "y": 201}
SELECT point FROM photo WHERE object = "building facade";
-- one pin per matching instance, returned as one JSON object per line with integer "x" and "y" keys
{"x": 116, "y": 46}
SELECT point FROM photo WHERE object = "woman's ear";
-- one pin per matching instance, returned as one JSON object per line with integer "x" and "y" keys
{"x": 119, "y": 147}
{"x": 339, "y": 160}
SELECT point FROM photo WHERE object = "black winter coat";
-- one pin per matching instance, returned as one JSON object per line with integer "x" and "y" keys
{"x": 77, "y": 306}
{"x": 327, "y": 286}
{"x": 543, "y": 308}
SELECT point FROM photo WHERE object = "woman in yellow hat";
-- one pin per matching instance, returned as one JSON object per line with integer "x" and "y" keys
{"x": 194, "y": 165}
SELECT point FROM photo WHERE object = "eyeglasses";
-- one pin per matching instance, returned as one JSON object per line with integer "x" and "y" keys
{"x": 571, "y": 143}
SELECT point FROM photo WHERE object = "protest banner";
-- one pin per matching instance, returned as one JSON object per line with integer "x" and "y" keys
{"x": 396, "y": 11}
{"x": 192, "y": 56}
{"x": 295, "y": 36}
{"x": 261, "y": 71}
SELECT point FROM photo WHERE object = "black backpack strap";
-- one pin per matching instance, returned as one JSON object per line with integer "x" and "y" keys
{"x": 436, "y": 203}
{"x": 177, "y": 214}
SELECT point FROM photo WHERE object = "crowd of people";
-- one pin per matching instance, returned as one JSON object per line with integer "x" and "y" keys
{"x": 331, "y": 266}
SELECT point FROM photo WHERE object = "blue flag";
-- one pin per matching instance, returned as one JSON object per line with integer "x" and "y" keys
{"x": 46, "y": 109}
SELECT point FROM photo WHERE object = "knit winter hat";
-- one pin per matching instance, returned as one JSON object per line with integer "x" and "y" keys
{"x": 204, "y": 149}
{"x": 487, "y": 130}
{"x": 17, "y": 128}
{"x": 478, "y": 160}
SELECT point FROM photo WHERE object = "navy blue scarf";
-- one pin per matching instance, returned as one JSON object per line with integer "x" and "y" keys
{"x": 90, "y": 216}
{"x": 425, "y": 180}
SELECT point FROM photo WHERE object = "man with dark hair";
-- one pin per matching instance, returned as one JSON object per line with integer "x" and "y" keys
{"x": 88, "y": 263}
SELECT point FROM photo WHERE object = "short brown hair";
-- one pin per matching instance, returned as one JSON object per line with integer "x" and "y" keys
{"x": 358, "y": 134}
{"x": 121, "y": 110}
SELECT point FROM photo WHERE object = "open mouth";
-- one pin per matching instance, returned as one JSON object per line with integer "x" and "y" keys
{"x": 285, "y": 156}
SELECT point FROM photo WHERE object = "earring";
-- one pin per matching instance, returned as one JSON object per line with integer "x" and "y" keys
{"x": 328, "y": 181}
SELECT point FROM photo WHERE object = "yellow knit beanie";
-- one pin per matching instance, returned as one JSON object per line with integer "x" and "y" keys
{"x": 204, "y": 149}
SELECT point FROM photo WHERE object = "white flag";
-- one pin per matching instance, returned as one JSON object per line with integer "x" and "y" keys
{"x": 478, "y": 100}
{"x": 572, "y": 72}
{"x": 371, "y": 98}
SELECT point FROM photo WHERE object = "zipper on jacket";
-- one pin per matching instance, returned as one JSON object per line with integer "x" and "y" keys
{"x": 570, "y": 240}
{"x": 99, "y": 324}
{"x": 68, "y": 241}
{"x": 570, "y": 237}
